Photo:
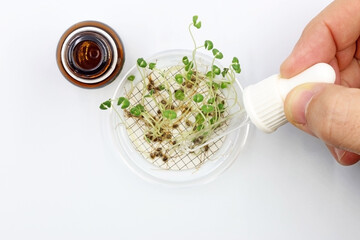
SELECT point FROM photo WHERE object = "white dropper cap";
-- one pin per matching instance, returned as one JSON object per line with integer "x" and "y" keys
{"x": 264, "y": 101}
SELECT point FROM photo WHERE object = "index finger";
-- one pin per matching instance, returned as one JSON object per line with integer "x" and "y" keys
{"x": 334, "y": 30}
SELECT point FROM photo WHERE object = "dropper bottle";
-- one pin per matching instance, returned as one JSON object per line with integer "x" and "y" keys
{"x": 264, "y": 101}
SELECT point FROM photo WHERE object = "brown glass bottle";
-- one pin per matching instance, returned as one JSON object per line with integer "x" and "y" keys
{"x": 90, "y": 54}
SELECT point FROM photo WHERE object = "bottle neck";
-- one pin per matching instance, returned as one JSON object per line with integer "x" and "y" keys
{"x": 89, "y": 55}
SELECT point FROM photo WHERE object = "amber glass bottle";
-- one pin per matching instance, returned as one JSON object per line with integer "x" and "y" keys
{"x": 90, "y": 54}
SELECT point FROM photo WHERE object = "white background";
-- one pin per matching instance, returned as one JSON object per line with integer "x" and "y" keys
{"x": 60, "y": 179}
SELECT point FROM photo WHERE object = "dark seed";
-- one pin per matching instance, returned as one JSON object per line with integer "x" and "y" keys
{"x": 175, "y": 125}
{"x": 165, "y": 158}
{"x": 163, "y": 102}
{"x": 168, "y": 136}
{"x": 187, "y": 109}
{"x": 159, "y": 149}
{"x": 152, "y": 155}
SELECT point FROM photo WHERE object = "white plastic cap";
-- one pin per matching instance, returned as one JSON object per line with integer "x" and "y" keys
{"x": 264, "y": 101}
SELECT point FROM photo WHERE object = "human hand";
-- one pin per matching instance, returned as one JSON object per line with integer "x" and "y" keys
{"x": 327, "y": 111}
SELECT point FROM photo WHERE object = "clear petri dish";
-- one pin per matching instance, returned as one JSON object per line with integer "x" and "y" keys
{"x": 185, "y": 170}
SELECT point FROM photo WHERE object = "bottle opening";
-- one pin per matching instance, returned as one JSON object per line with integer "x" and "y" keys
{"x": 89, "y": 55}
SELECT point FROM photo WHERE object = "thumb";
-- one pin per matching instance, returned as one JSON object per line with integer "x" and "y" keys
{"x": 327, "y": 111}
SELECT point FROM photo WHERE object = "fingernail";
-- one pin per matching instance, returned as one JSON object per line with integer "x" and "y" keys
{"x": 297, "y": 103}
{"x": 339, "y": 153}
